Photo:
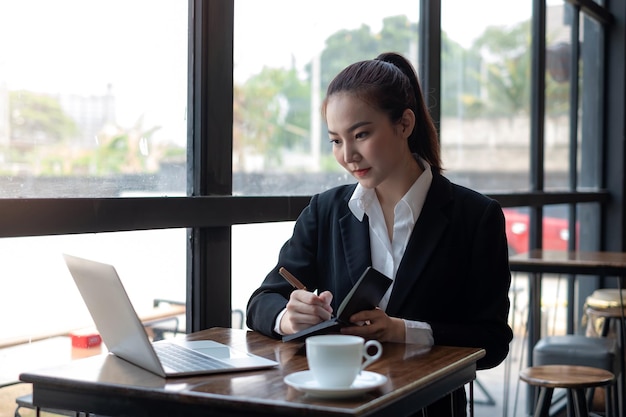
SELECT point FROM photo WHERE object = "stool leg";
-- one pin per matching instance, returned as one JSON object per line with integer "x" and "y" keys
{"x": 608, "y": 403}
{"x": 580, "y": 403}
{"x": 543, "y": 402}
{"x": 589, "y": 397}
{"x": 471, "y": 398}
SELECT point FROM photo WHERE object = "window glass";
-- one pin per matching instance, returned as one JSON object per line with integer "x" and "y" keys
{"x": 591, "y": 129}
{"x": 281, "y": 70}
{"x": 41, "y": 299}
{"x": 92, "y": 97}
{"x": 254, "y": 253}
{"x": 485, "y": 102}
{"x": 558, "y": 101}
{"x": 592, "y": 111}
{"x": 555, "y": 228}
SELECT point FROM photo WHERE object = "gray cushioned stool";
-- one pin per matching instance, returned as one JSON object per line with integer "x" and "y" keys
{"x": 597, "y": 352}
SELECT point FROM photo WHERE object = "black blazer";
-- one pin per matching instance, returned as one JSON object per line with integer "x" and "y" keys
{"x": 454, "y": 274}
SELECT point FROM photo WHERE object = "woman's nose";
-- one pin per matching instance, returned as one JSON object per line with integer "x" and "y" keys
{"x": 351, "y": 154}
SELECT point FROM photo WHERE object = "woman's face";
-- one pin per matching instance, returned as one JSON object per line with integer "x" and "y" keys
{"x": 365, "y": 142}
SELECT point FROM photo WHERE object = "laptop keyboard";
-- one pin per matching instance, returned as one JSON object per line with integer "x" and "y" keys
{"x": 182, "y": 359}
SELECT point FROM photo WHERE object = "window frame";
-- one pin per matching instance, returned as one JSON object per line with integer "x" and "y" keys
{"x": 209, "y": 210}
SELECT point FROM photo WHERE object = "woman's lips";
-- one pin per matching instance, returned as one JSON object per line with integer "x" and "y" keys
{"x": 360, "y": 172}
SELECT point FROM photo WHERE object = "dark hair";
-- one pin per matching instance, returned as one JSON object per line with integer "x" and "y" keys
{"x": 390, "y": 84}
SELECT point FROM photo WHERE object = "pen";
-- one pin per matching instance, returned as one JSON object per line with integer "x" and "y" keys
{"x": 295, "y": 282}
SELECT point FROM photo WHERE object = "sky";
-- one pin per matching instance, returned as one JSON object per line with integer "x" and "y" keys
{"x": 32, "y": 31}
{"x": 463, "y": 20}
{"x": 81, "y": 46}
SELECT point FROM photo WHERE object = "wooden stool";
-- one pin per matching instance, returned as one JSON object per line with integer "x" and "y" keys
{"x": 576, "y": 379}
{"x": 605, "y": 315}
{"x": 601, "y": 308}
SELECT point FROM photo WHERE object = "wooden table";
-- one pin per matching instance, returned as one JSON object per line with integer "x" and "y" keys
{"x": 564, "y": 262}
{"x": 110, "y": 386}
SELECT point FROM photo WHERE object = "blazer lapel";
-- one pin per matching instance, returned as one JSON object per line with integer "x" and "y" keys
{"x": 356, "y": 244}
{"x": 427, "y": 231}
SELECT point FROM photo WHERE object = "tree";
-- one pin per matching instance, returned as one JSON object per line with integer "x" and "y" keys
{"x": 36, "y": 117}
{"x": 271, "y": 112}
{"x": 119, "y": 150}
{"x": 460, "y": 79}
{"x": 507, "y": 63}
{"x": 348, "y": 46}
{"x": 507, "y": 57}
{"x": 490, "y": 79}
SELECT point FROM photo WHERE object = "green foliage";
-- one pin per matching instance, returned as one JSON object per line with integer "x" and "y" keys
{"x": 35, "y": 117}
{"x": 119, "y": 151}
{"x": 328, "y": 163}
{"x": 507, "y": 80}
{"x": 348, "y": 46}
{"x": 506, "y": 57}
{"x": 272, "y": 110}
{"x": 271, "y": 113}
{"x": 460, "y": 79}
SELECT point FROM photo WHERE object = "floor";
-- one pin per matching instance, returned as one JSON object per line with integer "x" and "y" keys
{"x": 7, "y": 400}
{"x": 502, "y": 385}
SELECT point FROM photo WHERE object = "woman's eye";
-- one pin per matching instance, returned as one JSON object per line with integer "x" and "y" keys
{"x": 360, "y": 135}
{"x": 335, "y": 141}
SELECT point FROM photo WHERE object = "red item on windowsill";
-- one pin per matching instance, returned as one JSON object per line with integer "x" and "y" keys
{"x": 85, "y": 340}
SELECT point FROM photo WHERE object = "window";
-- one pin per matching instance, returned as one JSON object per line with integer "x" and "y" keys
{"x": 485, "y": 94}
{"x": 92, "y": 98}
{"x": 39, "y": 295}
{"x": 92, "y": 105}
{"x": 280, "y": 143}
{"x": 164, "y": 178}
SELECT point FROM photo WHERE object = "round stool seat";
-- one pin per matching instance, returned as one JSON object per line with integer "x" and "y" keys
{"x": 606, "y": 298}
{"x": 566, "y": 376}
{"x": 576, "y": 379}
{"x": 605, "y": 302}
{"x": 603, "y": 311}
{"x": 578, "y": 350}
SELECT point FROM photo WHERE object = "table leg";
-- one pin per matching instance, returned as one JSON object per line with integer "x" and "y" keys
{"x": 621, "y": 384}
{"x": 534, "y": 326}
{"x": 471, "y": 398}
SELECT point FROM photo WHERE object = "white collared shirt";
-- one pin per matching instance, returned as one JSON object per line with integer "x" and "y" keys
{"x": 386, "y": 254}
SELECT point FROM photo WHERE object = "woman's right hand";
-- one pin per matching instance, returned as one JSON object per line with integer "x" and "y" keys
{"x": 305, "y": 309}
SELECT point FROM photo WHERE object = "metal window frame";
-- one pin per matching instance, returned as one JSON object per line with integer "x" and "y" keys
{"x": 210, "y": 210}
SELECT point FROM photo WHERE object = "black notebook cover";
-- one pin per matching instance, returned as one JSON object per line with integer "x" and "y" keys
{"x": 365, "y": 295}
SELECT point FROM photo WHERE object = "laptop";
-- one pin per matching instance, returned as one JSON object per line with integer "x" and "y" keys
{"x": 125, "y": 337}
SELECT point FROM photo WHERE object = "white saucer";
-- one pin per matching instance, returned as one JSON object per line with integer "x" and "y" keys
{"x": 364, "y": 382}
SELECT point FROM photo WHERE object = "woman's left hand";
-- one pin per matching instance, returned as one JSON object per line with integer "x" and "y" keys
{"x": 376, "y": 324}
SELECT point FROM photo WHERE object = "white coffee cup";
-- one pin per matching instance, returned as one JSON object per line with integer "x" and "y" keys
{"x": 336, "y": 360}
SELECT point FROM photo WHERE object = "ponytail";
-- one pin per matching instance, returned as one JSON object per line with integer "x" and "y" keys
{"x": 424, "y": 140}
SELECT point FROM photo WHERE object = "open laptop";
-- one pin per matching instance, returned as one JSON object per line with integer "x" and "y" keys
{"x": 124, "y": 335}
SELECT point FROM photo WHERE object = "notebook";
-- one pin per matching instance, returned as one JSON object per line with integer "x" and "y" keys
{"x": 124, "y": 335}
{"x": 364, "y": 295}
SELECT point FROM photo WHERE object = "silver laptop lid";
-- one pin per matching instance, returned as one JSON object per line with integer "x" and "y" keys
{"x": 113, "y": 313}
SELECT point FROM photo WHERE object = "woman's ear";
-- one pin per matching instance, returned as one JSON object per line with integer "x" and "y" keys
{"x": 407, "y": 122}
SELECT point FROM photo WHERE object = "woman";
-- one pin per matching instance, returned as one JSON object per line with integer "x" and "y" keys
{"x": 443, "y": 245}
